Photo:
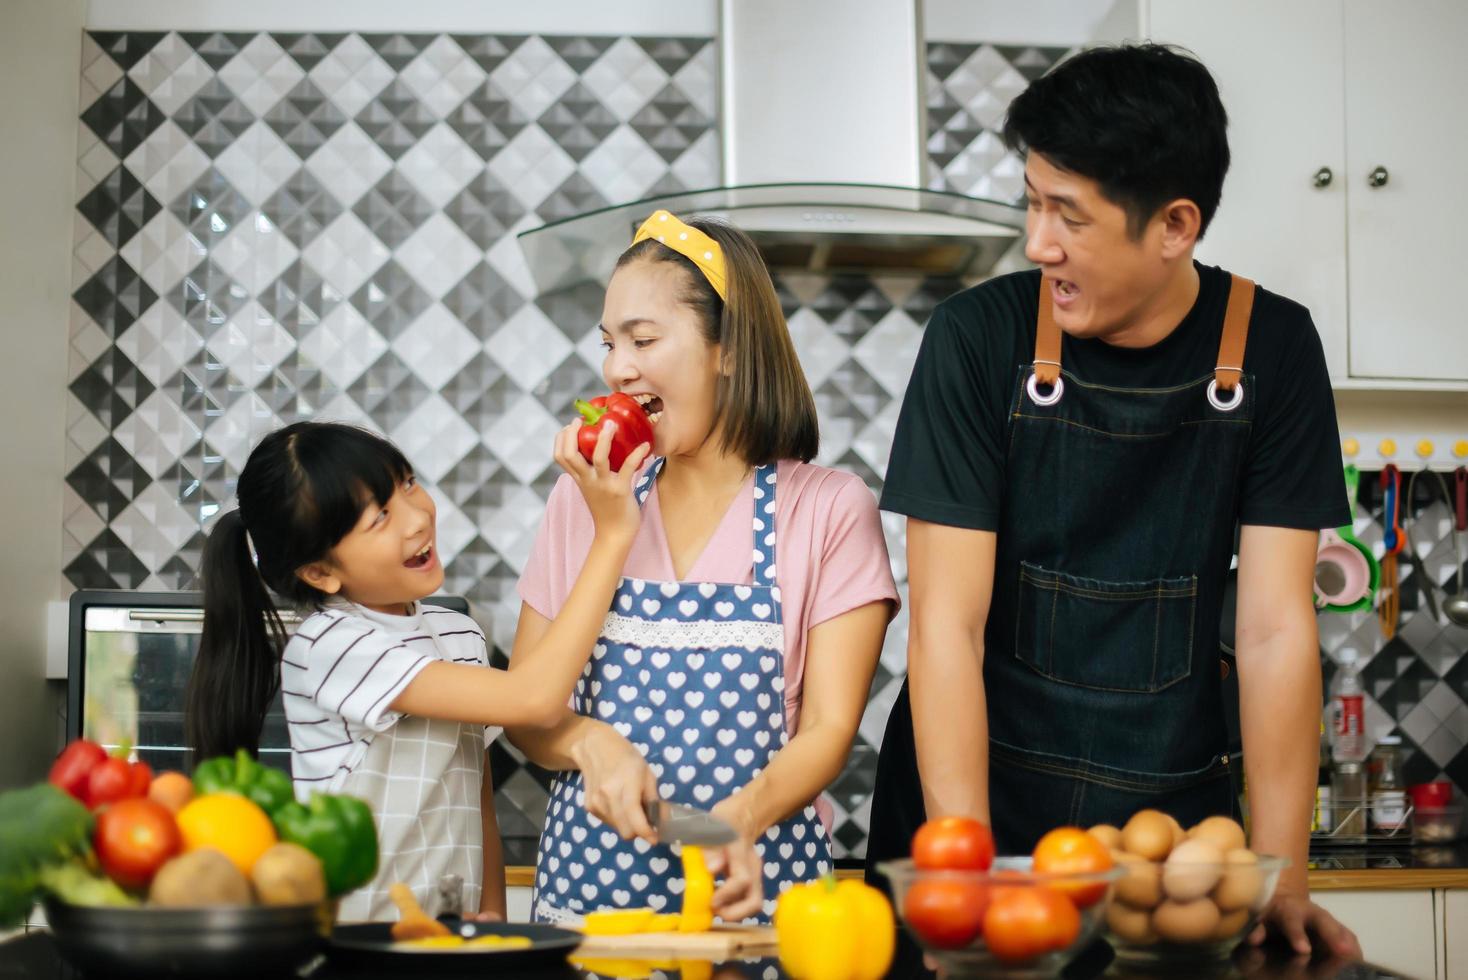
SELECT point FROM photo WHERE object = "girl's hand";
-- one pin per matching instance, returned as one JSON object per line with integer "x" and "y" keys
{"x": 608, "y": 493}
{"x": 742, "y": 893}
{"x": 618, "y": 782}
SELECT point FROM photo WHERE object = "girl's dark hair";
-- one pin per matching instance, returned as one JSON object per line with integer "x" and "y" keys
{"x": 1142, "y": 120}
{"x": 302, "y": 489}
{"x": 764, "y": 407}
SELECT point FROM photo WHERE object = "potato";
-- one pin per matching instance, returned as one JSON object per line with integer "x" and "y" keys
{"x": 288, "y": 874}
{"x": 201, "y": 877}
{"x": 1192, "y": 870}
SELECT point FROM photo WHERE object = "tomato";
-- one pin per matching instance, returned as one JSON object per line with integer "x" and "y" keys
{"x": 953, "y": 843}
{"x": 1026, "y": 921}
{"x": 116, "y": 779}
{"x": 946, "y": 912}
{"x": 74, "y": 765}
{"x": 1071, "y": 850}
{"x": 133, "y": 839}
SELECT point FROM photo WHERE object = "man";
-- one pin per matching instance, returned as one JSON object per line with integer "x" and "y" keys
{"x": 1077, "y": 449}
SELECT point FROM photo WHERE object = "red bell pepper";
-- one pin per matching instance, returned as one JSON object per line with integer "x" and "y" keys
{"x": 73, "y": 767}
{"x": 633, "y": 428}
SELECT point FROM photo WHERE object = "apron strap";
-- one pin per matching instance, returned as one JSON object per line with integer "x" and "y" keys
{"x": 1230, "y": 369}
{"x": 764, "y": 525}
{"x": 1227, "y": 375}
{"x": 644, "y": 482}
{"x": 1047, "y": 340}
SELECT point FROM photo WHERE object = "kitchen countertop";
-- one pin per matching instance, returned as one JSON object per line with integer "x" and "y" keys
{"x": 34, "y": 957}
{"x": 1388, "y": 867}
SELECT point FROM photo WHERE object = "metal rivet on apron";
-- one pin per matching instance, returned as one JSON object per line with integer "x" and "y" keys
{"x": 1056, "y": 390}
{"x": 1219, "y": 403}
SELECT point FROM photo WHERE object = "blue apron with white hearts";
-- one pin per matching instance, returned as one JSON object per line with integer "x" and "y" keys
{"x": 692, "y": 674}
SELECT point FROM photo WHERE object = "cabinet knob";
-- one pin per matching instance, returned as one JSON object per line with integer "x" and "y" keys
{"x": 1323, "y": 177}
{"x": 1378, "y": 177}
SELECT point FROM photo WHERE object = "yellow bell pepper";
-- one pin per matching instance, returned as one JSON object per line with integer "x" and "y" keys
{"x": 835, "y": 931}
{"x": 698, "y": 892}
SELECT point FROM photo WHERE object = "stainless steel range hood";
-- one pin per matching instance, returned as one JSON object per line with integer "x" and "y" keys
{"x": 823, "y": 155}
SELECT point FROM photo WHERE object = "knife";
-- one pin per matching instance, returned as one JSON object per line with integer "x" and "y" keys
{"x": 687, "y": 825}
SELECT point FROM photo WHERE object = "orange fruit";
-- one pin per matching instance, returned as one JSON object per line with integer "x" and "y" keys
{"x": 230, "y": 824}
{"x": 172, "y": 790}
{"x": 1069, "y": 851}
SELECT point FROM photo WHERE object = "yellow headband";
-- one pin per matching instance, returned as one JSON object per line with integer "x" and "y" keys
{"x": 690, "y": 243}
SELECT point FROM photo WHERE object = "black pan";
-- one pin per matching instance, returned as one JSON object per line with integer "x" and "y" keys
{"x": 368, "y": 947}
{"x": 258, "y": 940}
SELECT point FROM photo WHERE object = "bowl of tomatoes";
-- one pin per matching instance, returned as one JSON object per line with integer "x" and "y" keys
{"x": 1022, "y": 916}
{"x": 1186, "y": 897}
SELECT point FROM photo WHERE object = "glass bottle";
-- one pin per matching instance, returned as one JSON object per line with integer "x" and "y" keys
{"x": 1388, "y": 795}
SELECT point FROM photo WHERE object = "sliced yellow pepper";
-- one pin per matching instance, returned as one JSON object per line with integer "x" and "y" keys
{"x": 698, "y": 892}
{"x": 667, "y": 922}
{"x": 617, "y": 922}
{"x": 695, "y": 970}
{"x": 831, "y": 931}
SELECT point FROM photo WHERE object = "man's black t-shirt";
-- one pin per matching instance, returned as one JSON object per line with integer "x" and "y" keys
{"x": 947, "y": 463}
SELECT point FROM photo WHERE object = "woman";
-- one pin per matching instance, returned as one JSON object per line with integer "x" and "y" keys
{"x": 723, "y": 678}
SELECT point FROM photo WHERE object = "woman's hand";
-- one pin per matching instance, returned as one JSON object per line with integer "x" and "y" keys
{"x": 608, "y": 493}
{"x": 618, "y": 782}
{"x": 742, "y": 892}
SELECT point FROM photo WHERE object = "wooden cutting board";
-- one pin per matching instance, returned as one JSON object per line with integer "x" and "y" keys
{"x": 720, "y": 942}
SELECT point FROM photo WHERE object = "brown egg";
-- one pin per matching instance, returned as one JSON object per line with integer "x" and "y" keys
{"x": 1222, "y": 831}
{"x": 1192, "y": 869}
{"x": 1141, "y": 887}
{"x": 1107, "y": 834}
{"x": 1230, "y": 924}
{"x": 1242, "y": 881}
{"x": 1178, "y": 834}
{"x": 1148, "y": 834}
{"x": 1186, "y": 922}
{"x": 1130, "y": 925}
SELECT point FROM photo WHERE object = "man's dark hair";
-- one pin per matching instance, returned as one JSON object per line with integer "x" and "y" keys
{"x": 1142, "y": 120}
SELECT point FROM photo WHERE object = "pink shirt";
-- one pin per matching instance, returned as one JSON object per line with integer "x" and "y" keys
{"x": 831, "y": 557}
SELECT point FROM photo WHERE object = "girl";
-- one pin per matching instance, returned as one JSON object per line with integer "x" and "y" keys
{"x": 723, "y": 678}
{"x": 386, "y": 699}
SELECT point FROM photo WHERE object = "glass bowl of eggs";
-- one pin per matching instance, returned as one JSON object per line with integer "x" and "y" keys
{"x": 1185, "y": 896}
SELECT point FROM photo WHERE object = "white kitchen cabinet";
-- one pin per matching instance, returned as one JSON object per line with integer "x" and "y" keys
{"x": 1322, "y": 94}
{"x": 1455, "y": 934}
{"x": 1397, "y": 929}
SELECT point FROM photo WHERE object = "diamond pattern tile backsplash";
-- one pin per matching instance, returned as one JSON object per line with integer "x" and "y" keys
{"x": 280, "y": 226}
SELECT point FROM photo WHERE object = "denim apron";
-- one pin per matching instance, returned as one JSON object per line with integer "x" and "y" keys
{"x": 1101, "y": 665}
{"x": 692, "y": 674}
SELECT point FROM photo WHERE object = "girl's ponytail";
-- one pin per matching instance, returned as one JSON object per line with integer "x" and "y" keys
{"x": 237, "y": 672}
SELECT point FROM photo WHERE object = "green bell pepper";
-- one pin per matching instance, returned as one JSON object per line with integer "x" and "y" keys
{"x": 338, "y": 830}
{"x": 269, "y": 789}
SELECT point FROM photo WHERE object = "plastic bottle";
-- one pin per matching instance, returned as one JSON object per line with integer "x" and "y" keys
{"x": 1347, "y": 712}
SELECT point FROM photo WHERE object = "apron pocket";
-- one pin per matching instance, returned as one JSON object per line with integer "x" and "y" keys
{"x": 1111, "y": 636}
